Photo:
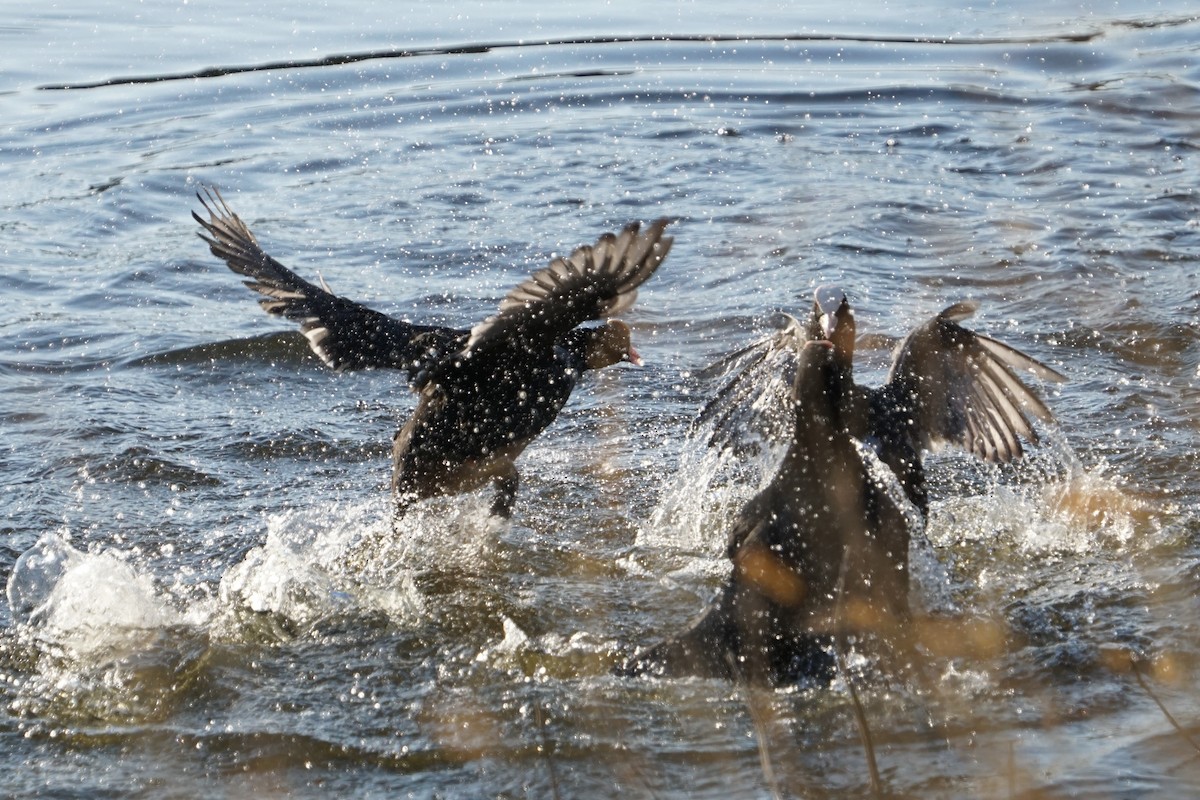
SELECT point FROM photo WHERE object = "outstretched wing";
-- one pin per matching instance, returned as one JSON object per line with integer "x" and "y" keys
{"x": 756, "y": 403}
{"x": 595, "y": 281}
{"x": 959, "y": 387}
{"x": 343, "y": 334}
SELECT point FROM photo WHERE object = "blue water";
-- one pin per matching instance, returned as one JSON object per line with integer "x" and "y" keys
{"x": 205, "y": 598}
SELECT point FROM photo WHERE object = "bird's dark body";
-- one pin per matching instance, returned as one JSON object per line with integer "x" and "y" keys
{"x": 824, "y": 534}
{"x": 474, "y": 416}
{"x": 483, "y": 393}
{"x": 824, "y": 548}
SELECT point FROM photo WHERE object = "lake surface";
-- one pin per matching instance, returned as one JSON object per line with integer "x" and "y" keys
{"x": 205, "y": 596}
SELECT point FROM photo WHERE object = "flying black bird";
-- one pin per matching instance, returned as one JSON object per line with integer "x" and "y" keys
{"x": 825, "y": 546}
{"x": 483, "y": 393}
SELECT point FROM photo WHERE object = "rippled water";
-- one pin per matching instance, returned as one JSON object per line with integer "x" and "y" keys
{"x": 205, "y": 599}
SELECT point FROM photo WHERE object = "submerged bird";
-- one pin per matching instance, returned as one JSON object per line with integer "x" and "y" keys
{"x": 824, "y": 548}
{"x": 483, "y": 393}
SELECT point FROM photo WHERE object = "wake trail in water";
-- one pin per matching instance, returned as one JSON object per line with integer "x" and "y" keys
{"x": 339, "y": 59}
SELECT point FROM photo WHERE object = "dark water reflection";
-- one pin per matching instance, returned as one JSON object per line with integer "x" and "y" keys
{"x": 229, "y": 613}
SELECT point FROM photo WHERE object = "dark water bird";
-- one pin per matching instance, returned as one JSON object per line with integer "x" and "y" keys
{"x": 824, "y": 548}
{"x": 948, "y": 386}
{"x": 483, "y": 393}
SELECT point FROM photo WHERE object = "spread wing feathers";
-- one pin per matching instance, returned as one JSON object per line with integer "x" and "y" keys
{"x": 595, "y": 281}
{"x": 757, "y": 401}
{"x": 343, "y": 334}
{"x": 964, "y": 388}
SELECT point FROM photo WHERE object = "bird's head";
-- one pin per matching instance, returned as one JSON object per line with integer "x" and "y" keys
{"x": 832, "y": 320}
{"x": 609, "y": 344}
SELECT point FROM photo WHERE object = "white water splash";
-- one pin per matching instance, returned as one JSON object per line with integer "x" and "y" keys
{"x": 109, "y": 644}
{"x": 1076, "y": 513}
{"x": 704, "y": 497}
{"x": 312, "y": 565}
{"x": 515, "y": 640}
{"x": 85, "y": 604}
{"x": 343, "y": 561}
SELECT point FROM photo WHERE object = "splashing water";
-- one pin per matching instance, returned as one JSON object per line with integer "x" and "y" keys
{"x": 305, "y": 571}
{"x": 86, "y": 604}
{"x": 107, "y": 643}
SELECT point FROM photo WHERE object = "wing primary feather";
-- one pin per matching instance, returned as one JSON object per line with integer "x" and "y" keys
{"x": 344, "y": 334}
{"x": 1021, "y": 394}
{"x": 1018, "y": 360}
{"x": 593, "y": 281}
